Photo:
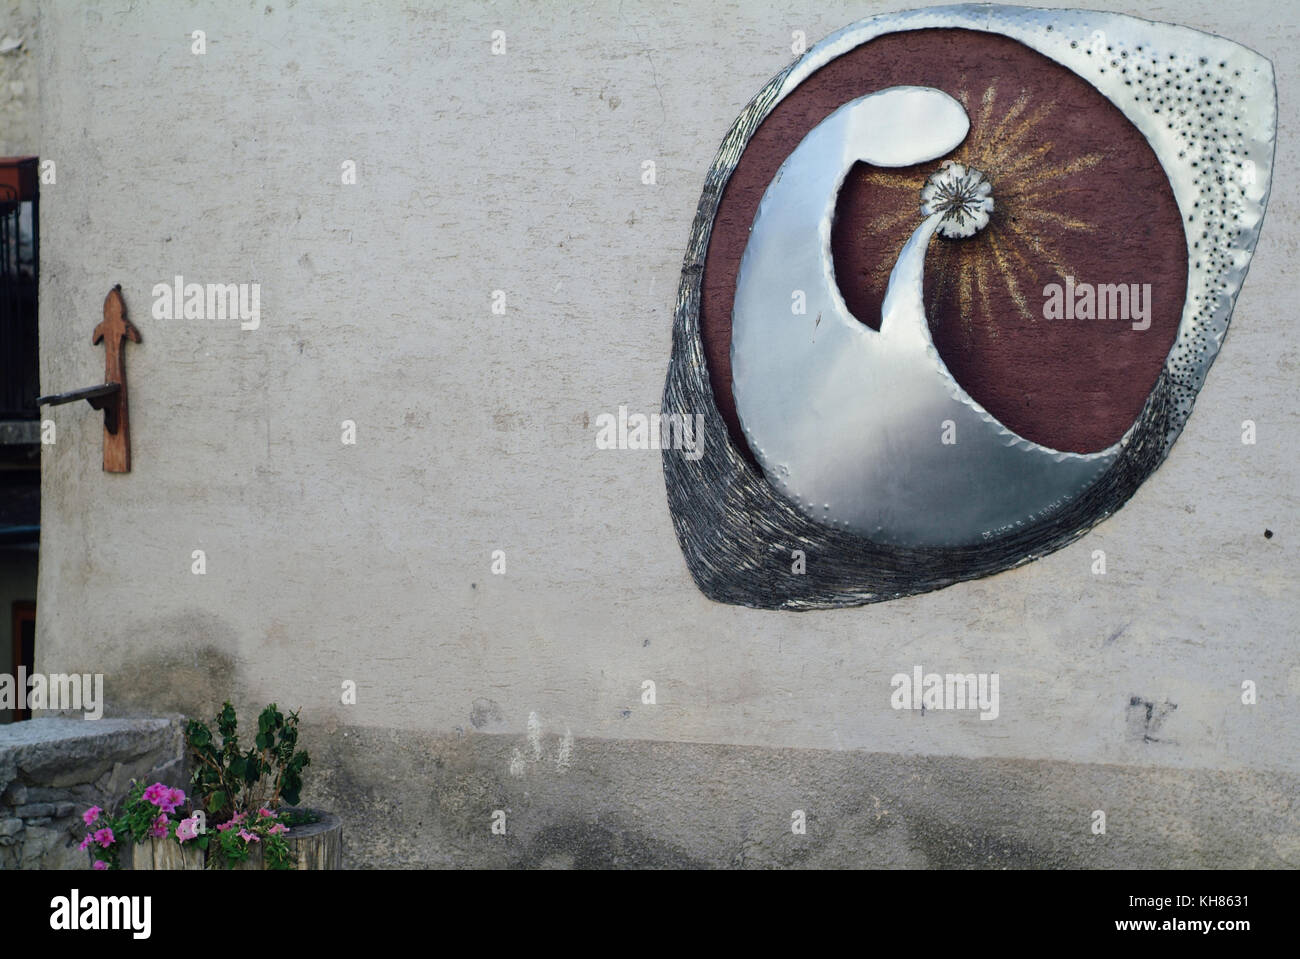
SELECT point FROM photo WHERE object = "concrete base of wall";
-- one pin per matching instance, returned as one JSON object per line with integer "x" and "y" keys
{"x": 413, "y": 800}
{"x": 420, "y": 800}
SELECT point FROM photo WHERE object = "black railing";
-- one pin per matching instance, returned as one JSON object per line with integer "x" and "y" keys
{"x": 19, "y": 256}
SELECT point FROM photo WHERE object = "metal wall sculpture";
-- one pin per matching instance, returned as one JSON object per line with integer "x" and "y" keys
{"x": 857, "y": 445}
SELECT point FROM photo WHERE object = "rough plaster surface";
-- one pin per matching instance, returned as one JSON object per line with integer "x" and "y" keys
{"x": 20, "y": 119}
{"x": 475, "y": 432}
{"x": 610, "y": 803}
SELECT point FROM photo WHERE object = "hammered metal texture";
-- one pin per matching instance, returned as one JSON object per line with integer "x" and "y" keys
{"x": 1206, "y": 105}
{"x": 849, "y": 422}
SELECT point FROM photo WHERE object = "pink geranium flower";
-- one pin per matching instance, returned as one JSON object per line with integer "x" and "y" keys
{"x": 159, "y": 828}
{"x": 100, "y": 865}
{"x": 90, "y": 815}
{"x": 278, "y": 828}
{"x": 247, "y": 836}
{"x": 164, "y": 797}
{"x": 264, "y": 813}
{"x": 155, "y": 793}
{"x": 85, "y": 843}
{"x": 232, "y": 822}
{"x": 104, "y": 837}
{"x": 187, "y": 829}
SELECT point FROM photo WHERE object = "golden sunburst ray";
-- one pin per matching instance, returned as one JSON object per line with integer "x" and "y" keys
{"x": 890, "y": 220}
{"x": 999, "y": 132}
{"x": 982, "y": 288}
{"x": 942, "y": 282}
{"x": 1025, "y": 159}
{"x": 1009, "y": 276}
{"x": 1003, "y": 144}
{"x": 1038, "y": 195}
{"x": 966, "y": 273}
{"x": 1057, "y": 219}
{"x": 987, "y": 101}
{"x": 1077, "y": 165}
{"x": 892, "y": 181}
{"x": 1056, "y": 264}
{"x": 964, "y": 299}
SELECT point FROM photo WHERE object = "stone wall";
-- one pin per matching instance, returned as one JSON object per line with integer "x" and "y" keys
{"x": 52, "y": 770}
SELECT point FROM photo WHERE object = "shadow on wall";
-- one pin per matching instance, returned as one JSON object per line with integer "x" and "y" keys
{"x": 179, "y": 664}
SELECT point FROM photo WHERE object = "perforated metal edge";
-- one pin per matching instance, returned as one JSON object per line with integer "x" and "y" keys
{"x": 737, "y": 533}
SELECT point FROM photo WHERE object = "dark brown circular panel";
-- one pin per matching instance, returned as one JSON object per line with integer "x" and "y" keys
{"x": 1078, "y": 193}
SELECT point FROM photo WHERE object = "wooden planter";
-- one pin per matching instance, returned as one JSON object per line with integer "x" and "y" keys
{"x": 317, "y": 845}
{"x": 163, "y": 854}
{"x": 254, "y": 860}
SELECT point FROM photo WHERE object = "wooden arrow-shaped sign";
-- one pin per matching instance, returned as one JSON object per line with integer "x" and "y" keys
{"x": 115, "y": 329}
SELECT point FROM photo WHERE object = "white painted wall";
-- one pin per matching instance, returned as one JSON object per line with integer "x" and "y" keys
{"x": 476, "y": 432}
{"x": 19, "y": 116}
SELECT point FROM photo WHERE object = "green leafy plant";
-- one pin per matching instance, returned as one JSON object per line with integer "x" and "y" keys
{"x": 237, "y": 837}
{"x": 229, "y": 781}
{"x": 238, "y": 791}
{"x": 151, "y": 812}
{"x": 298, "y": 817}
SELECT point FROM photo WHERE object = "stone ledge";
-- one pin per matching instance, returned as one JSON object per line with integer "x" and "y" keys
{"x": 49, "y": 728}
{"x": 55, "y": 752}
{"x": 53, "y": 768}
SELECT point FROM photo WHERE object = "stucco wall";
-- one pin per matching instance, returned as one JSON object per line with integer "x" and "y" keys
{"x": 475, "y": 432}
{"x": 19, "y": 116}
